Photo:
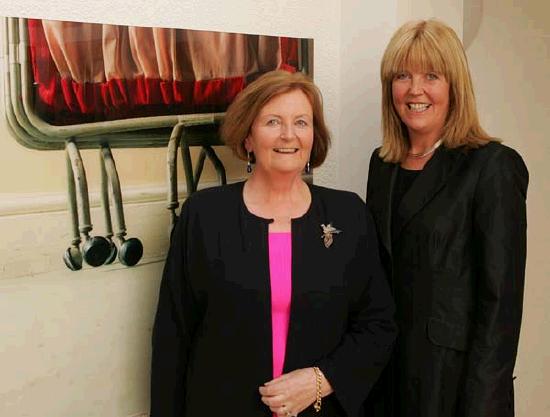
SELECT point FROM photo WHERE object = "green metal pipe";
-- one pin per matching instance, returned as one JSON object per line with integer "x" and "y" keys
{"x": 172, "y": 177}
{"x": 79, "y": 173}
{"x": 187, "y": 166}
{"x": 71, "y": 198}
{"x": 105, "y": 197}
{"x": 15, "y": 85}
{"x": 218, "y": 165}
{"x": 199, "y": 167}
{"x": 116, "y": 191}
{"x": 20, "y": 135}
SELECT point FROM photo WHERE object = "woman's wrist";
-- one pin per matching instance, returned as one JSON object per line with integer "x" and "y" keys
{"x": 318, "y": 389}
{"x": 326, "y": 388}
{"x": 322, "y": 388}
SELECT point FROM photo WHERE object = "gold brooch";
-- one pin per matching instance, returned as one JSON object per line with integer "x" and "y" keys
{"x": 328, "y": 231}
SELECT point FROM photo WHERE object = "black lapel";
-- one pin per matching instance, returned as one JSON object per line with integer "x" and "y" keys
{"x": 433, "y": 177}
{"x": 256, "y": 276}
{"x": 383, "y": 198}
{"x": 306, "y": 238}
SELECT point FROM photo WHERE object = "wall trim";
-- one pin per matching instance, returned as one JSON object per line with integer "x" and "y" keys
{"x": 12, "y": 204}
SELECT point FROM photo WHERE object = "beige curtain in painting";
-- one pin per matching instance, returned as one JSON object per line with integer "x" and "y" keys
{"x": 87, "y": 52}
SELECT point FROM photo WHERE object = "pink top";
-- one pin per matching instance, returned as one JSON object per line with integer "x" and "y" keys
{"x": 280, "y": 270}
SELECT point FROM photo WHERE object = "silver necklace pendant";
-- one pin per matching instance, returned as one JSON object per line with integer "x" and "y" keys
{"x": 328, "y": 231}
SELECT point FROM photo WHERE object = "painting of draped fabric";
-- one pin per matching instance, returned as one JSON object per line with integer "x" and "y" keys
{"x": 87, "y": 72}
{"x": 75, "y": 87}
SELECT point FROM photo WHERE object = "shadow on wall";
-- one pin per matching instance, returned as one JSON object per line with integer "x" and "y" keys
{"x": 473, "y": 13}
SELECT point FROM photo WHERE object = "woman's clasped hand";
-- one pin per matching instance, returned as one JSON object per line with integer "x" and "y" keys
{"x": 291, "y": 393}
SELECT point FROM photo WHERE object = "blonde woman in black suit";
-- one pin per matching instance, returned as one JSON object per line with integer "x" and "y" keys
{"x": 448, "y": 201}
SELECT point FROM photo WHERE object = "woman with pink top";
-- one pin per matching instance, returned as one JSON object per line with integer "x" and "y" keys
{"x": 273, "y": 301}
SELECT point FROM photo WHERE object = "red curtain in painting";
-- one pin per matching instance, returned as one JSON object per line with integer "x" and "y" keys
{"x": 87, "y": 72}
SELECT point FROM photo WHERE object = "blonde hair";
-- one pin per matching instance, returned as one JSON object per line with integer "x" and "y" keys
{"x": 429, "y": 45}
{"x": 247, "y": 105}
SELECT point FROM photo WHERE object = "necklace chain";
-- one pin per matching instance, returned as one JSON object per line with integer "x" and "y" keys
{"x": 427, "y": 152}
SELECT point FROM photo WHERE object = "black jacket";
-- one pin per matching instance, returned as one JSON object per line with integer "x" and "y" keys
{"x": 212, "y": 345}
{"x": 457, "y": 272}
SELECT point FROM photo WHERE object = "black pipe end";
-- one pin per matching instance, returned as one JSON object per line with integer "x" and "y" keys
{"x": 130, "y": 252}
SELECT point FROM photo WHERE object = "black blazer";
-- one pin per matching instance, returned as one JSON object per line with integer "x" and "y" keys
{"x": 212, "y": 344}
{"x": 457, "y": 274}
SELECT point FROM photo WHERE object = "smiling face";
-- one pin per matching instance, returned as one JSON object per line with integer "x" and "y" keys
{"x": 421, "y": 100}
{"x": 281, "y": 136}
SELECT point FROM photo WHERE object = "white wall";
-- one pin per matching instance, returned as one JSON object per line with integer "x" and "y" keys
{"x": 449, "y": 11}
{"x": 510, "y": 60}
{"x": 363, "y": 39}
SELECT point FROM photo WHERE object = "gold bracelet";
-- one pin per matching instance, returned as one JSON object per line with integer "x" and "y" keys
{"x": 319, "y": 378}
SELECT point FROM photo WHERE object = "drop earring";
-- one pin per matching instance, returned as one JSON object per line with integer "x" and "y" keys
{"x": 308, "y": 168}
{"x": 248, "y": 164}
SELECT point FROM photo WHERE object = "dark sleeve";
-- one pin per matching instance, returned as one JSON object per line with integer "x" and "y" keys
{"x": 355, "y": 365}
{"x": 175, "y": 321}
{"x": 500, "y": 250}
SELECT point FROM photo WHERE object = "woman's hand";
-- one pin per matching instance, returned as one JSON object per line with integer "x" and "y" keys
{"x": 292, "y": 393}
